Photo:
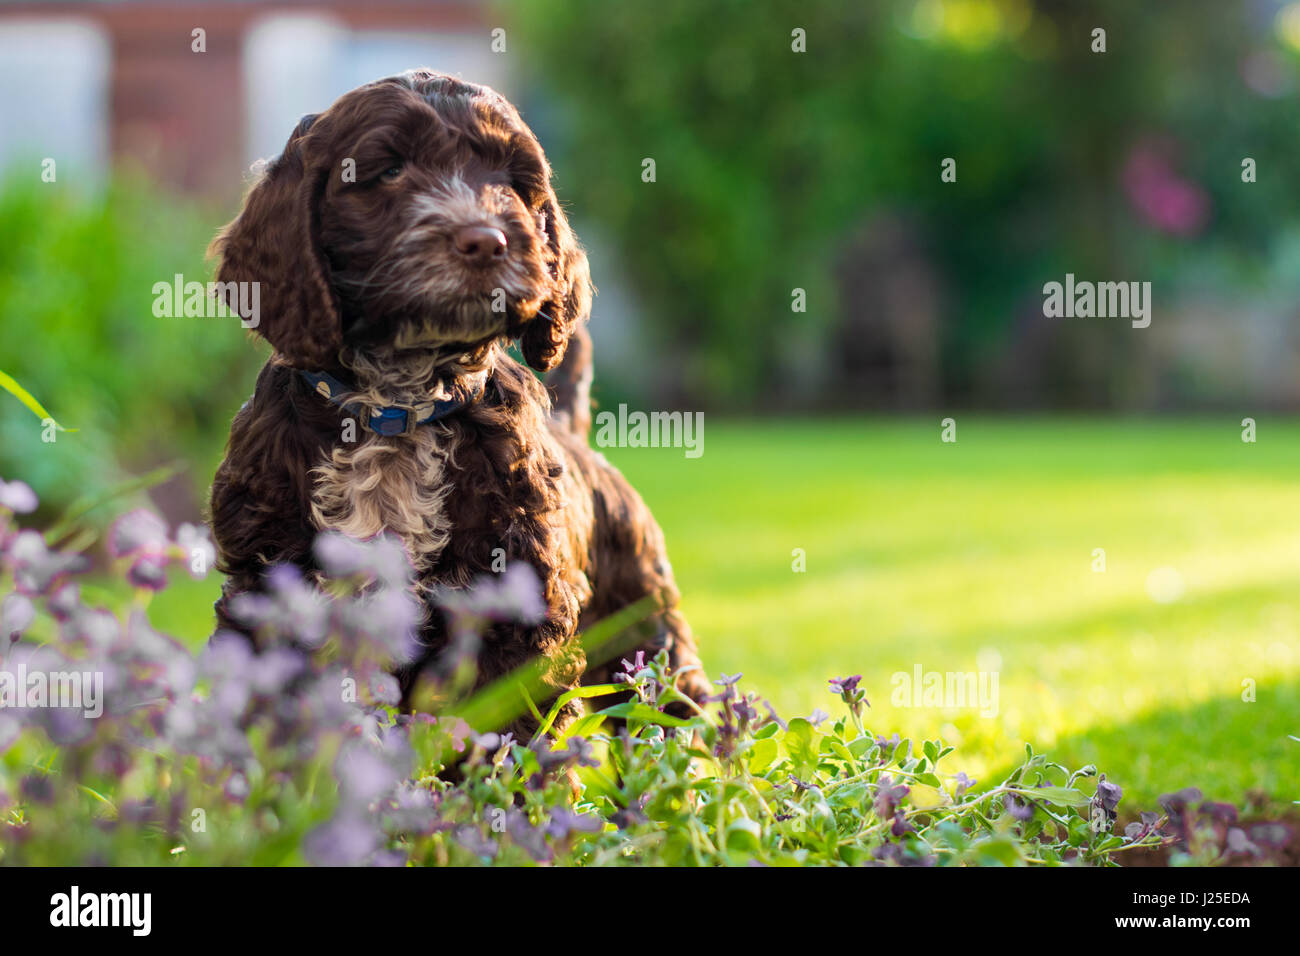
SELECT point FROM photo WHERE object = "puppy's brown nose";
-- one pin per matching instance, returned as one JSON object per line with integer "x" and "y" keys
{"x": 481, "y": 245}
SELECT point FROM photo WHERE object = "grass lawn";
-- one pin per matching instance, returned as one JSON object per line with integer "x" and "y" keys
{"x": 978, "y": 556}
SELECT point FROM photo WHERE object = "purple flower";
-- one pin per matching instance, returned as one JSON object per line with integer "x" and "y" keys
{"x": 964, "y": 783}
{"x": 65, "y": 602}
{"x": 149, "y": 572}
{"x": 17, "y": 497}
{"x": 366, "y": 775}
{"x": 521, "y": 594}
{"x": 564, "y": 822}
{"x": 137, "y": 532}
{"x": 385, "y": 623}
{"x": 65, "y": 727}
{"x": 889, "y": 794}
{"x": 236, "y": 788}
{"x": 1019, "y": 810}
{"x": 1139, "y": 829}
{"x": 227, "y": 656}
{"x": 96, "y": 631}
{"x": 1101, "y": 810}
{"x": 494, "y": 743}
{"x": 339, "y": 555}
{"x": 744, "y": 711}
{"x": 1109, "y": 794}
{"x": 384, "y": 689}
{"x": 36, "y": 568}
{"x": 514, "y": 595}
{"x": 473, "y": 840}
{"x": 845, "y": 685}
{"x": 581, "y": 752}
{"x": 291, "y": 607}
{"x": 347, "y": 840}
{"x": 382, "y": 558}
{"x": 16, "y": 615}
{"x": 632, "y": 815}
{"x": 531, "y": 839}
{"x": 887, "y": 746}
{"x": 632, "y": 669}
{"x": 728, "y": 732}
{"x": 1238, "y": 842}
{"x": 412, "y": 809}
{"x": 847, "y": 688}
{"x": 272, "y": 670}
{"x": 457, "y": 730}
{"x": 37, "y": 788}
{"x": 115, "y": 759}
{"x": 900, "y": 825}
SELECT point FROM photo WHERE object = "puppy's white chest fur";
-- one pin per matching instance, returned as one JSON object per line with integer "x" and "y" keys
{"x": 384, "y": 483}
{"x": 400, "y": 483}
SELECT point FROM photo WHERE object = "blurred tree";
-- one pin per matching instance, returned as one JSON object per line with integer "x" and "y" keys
{"x": 770, "y": 164}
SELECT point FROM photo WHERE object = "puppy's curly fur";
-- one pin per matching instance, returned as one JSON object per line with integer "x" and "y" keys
{"x": 352, "y": 233}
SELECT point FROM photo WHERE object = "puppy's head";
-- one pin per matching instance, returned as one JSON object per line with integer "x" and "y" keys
{"x": 416, "y": 212}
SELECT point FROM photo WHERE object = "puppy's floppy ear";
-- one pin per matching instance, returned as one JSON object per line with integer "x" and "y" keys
{"x": 274, "y": 242}
{"x": 543, "y": 343}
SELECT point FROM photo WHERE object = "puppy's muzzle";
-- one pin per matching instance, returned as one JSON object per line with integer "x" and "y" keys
{"x": 480, "y": 246}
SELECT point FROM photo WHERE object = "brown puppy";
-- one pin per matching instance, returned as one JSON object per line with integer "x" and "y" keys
{"x": 402, "y": 238}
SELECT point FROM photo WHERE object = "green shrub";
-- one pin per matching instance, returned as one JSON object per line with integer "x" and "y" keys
{"x": 77, "y": 330}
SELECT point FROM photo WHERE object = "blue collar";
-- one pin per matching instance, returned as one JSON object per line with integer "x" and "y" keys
{"x": 391, "y": 420}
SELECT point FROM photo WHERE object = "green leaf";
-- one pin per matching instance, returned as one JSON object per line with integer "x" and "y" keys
{"x": 639, "y": 711}
{"x": 831, "y": 745}
{"x": 999, "y": 852}
{"x": 584, "y": 726}
{"x": 860, "y": 746}
{"x": 10, "y": 385}
{"x": 744, "y": 835}
{"x": 586, "y": 691}
{"x": 762, "y": 755}
{"x": 802, "y": 743}
{"x": 1061, "y": 796}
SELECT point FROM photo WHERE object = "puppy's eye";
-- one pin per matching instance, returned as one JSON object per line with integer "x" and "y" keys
{"x": 392, "y": 173}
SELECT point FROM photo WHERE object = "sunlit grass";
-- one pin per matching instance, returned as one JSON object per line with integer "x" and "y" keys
{"x": 979, "y": 556}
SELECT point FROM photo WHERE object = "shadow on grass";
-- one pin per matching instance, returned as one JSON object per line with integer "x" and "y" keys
{"x": 1233, "y": 751}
